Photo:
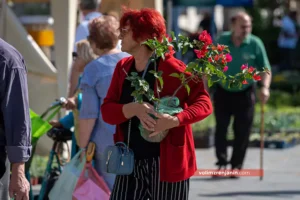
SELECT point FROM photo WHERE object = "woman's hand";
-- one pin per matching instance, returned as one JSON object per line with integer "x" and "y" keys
{"x": 164, "y": 122}
{"x": 70, "y": 104}
{"x": 142, "y": 111}
{"x": 55, "y": 123}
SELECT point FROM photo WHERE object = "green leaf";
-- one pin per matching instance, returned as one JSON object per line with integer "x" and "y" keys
{"x": 185, "y": 49}
{"x": 176, "y": 75}
{"x": 180, "y": 45}
{"x": 191, "y": 66}
{"x": 134, "y": 74}
{"x": 161, "y": 82}
{"x": 173, "y": 35}
{"x": 175, "y": 45}
{"x": 163, "y": 56}
{"x": 188, "y": 89}
{"x": 182, "y": 77}
{"x": 181, "y": 37}
{"x": 139, "y": 99}
{"x": 210, "y": 82}
{"x": 152, "y": 72}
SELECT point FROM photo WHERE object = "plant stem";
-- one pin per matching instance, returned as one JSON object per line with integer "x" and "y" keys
{"x": 185, "y": 82}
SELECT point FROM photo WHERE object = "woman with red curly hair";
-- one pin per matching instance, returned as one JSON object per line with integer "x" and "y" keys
{"x": 161, "y": 170}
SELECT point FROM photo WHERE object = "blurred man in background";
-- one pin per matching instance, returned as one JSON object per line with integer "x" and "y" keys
{"x": 246, "y": 49}
{"x": 287, "y": 41}
{"x": 89, "y": 11}
{"x": 88, "y": 8}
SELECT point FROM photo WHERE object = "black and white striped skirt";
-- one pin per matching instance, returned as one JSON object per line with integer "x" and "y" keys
{"x": 144, "y": 184}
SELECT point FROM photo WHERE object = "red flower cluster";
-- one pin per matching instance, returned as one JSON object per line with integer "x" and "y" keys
{"x": 250, "y": 70}
{"x": 213, "y": 56}
{"x": 205, "y": 38}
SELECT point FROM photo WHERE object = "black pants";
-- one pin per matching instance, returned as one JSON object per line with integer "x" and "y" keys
{"x": 4, "y": 175}
{"x": 240, "y": 106}
{"x": 144, "y": 184}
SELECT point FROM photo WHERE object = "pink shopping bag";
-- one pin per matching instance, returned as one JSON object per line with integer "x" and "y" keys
{"x": 90, "y": 185}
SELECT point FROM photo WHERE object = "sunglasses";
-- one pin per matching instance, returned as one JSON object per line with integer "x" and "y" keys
{"x": 123, "y": 31}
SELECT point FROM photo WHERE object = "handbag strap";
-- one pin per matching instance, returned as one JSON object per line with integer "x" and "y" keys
{"x": 134, "y": 100}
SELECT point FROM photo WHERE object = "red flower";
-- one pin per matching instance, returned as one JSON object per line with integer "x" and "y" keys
{"x": 228, "y": 57}
{"x": 256, "y": 77}
{"x": 199, "y": 53}
{"x": 204, "y": 48}
{"x": 213, "y": 47}
{"x": 216, "y": 58}
{"x": 171, "y": 51}
{"x": 225, "y": 68}
{"x": 244, "y": 82}
{"x": 205, "y": 38}
{"x": 251, "y": 69}
{"x": 169, "y": 38}
{"x": 220, "y": 47}
{"x": 244, "y": 67}
{"x": 210, "y": 60}
{"x": 224, "y": 61}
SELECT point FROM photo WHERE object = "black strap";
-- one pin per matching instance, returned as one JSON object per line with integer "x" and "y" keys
{"x": 134, "y": 100}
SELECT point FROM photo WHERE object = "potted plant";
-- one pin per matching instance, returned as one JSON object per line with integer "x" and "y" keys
{"x": 211, "y": 62}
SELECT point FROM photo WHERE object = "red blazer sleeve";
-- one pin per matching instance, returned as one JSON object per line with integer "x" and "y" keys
{"x": 199, "y": 105}
{"x": 111, "y": 109}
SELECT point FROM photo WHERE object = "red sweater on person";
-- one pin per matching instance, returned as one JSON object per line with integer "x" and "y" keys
{"x": 177, "y": 151}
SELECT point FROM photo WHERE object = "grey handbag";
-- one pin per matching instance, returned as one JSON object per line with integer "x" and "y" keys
{"x": 119, "y": 157}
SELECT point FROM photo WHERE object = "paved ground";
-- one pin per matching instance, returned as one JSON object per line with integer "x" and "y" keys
{"x": 281, "y": 177}
{"x": 281, "y": 180}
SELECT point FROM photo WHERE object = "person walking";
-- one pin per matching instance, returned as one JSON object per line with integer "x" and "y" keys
{"x": 287, "y": 40}
{"x": 157, "y": 173}
{"x": 15, "y": 124}
{"x": 249, "y": 52}
{"x": 89, "y": 11}
{"x": 94, "y": 84}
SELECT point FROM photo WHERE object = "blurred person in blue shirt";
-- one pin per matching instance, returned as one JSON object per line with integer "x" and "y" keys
{"x": 288, "y": 39}
{"x": 89, "y": 11}
{"x": 83, "y": 57}
{"x": 96, "y": 79}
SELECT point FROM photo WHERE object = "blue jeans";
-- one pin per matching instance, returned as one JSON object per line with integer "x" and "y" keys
{"x": 108, "y": 178}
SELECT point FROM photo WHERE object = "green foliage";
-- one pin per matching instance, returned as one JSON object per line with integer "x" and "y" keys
{"x": 280, "y": 119}
{"x": 141, "y": 88}
{"x": 282, "y": 99}
{"x": 38, "y": 166}
{"x": 211, "y": 63}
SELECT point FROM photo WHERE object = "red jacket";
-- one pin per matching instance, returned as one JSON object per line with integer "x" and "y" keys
{"x": 177, "y": 151}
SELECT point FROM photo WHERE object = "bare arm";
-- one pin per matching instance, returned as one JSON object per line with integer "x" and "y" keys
{"x": 85, "y": 129}
{"x": 73, "y": 81}
{"x": 266, "y": 79}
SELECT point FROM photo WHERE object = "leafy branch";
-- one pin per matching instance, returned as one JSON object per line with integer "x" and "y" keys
{"x": 211, "y": 63}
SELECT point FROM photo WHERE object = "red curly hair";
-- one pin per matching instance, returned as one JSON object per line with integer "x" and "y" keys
{"x": 145, "y": 24}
